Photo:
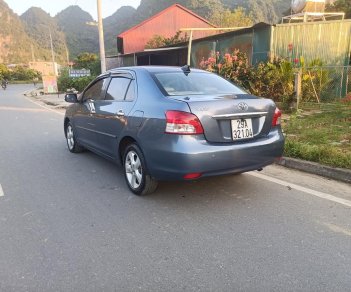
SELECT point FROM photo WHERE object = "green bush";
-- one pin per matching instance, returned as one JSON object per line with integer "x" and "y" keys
{"x": 19, "y": 73}
{"x": 65, "y": 82}
{"x": 273, "y": 80}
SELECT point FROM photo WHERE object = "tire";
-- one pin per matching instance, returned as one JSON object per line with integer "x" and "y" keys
{"x": 72, "y": 143}
{"x": 135, "y": 172}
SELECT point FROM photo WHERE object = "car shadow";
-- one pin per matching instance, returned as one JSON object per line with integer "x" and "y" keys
{"x": 229, "y": 189}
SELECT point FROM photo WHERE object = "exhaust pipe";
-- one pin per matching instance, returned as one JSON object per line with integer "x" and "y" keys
{"x": 260, "y": 169}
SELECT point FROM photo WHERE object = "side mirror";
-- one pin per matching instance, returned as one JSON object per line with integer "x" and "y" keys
{"x": 71, "y": 97}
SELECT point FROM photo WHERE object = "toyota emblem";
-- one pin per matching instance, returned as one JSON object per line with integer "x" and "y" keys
{"x": 243, "y": 106}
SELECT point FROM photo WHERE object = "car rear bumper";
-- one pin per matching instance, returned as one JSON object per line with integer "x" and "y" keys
{"x": 175, "y": 156}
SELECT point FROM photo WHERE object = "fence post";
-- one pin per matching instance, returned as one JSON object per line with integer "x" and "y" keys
{"x": 298, "y": 87}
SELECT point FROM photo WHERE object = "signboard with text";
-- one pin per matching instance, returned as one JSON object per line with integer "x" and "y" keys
{"x": 75, "y": 73}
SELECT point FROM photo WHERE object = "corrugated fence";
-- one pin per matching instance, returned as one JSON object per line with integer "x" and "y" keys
{"x": 327, "y": 41}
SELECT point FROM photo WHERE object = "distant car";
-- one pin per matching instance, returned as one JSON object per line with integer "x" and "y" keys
{"x": 171, "y": 123}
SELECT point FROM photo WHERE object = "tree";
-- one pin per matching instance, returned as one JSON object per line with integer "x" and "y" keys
{"x": 22, "y": 73}
{"x": 4, "y": 72}
{"x": 158, "y": 41}
{"x": 340, "y": 6}
{"x": 88, "y": 61}
{"x": 227, "y": 18}
{"x": 205, "y": 7}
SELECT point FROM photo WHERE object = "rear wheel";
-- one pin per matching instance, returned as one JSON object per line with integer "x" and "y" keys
{"x": 135, "y": 172}
{"x": 72, "y": 144}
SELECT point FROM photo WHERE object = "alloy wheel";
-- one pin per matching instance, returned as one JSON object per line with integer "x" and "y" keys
{"x": 70, "y": 137}
{"x": 133, "y": 169}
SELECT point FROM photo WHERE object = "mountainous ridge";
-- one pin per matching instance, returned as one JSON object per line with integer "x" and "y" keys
{"x": 15, "y": 45}
{"x": 40, "y": 26}
{"x": 80, "y": 37}
{"x": 69, "y": 28}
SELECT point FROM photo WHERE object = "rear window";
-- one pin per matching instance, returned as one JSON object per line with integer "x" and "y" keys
{"x": 195, "y": 83}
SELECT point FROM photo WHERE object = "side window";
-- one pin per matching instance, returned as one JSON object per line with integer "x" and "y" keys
{"x": 131, "y": 92}
{"x": 117, "y": 88}
{"x": 95, "y": 91}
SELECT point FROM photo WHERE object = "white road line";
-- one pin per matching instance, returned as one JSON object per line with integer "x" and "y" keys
{"x": 43, "y": 106}
{"x": 1, "y": 191}
{"x": 302, "y": 189}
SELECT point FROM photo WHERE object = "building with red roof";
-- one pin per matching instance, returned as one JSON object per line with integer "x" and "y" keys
{"x": 165, "y": 23}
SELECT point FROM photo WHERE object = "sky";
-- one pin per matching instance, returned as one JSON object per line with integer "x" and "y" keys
{"x": 54, "y": 6}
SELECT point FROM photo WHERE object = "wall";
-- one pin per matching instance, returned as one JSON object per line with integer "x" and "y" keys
{"x": 255, "y": 42}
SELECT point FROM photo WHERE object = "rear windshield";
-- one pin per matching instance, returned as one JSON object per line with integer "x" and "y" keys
{"x": 195, "y": 83}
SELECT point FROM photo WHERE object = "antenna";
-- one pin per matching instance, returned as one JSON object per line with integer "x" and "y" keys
{"x": 186, "y": 69}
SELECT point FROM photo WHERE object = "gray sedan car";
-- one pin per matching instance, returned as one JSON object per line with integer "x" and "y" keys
{"x": 171, "y": 123}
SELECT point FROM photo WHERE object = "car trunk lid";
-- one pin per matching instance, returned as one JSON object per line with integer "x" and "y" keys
{"x": 232, "y": 118}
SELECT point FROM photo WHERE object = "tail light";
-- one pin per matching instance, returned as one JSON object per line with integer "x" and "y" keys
{"x": 183, "y": 123}
{"x": 277, "y": 117}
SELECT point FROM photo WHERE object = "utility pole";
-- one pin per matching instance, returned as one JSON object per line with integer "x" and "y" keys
{"x": 67, "y": 54}
{"x": 33, "y": 58}
{"x": 52, "y": 53}
{"x": 101, "y": 38}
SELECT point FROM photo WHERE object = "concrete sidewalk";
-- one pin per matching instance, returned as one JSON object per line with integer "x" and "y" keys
{"x": 56, "y": 101}
{"x": 340, "y": 174}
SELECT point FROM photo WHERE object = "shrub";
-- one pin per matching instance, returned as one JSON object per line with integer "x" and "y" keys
{"x": 65, "y": 82}
{"x": 273, "y": 80}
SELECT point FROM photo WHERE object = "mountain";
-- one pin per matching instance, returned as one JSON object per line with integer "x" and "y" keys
{"x": 80, "y": 37}
{"x": 269, "y": 11}
{"x": 38, "y": 26}
{"x": 118, "y": 22}
{"x": 69, "y": 28}
{"x": 15, "y": 45}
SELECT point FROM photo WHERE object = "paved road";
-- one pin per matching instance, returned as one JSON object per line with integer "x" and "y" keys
{"x": 68, "y": 222}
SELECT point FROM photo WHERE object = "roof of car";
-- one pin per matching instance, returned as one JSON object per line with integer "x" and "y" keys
{"x": 153, "y": 69}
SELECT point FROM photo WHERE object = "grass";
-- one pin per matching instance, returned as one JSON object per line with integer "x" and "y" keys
{"x": 320, "y": 133}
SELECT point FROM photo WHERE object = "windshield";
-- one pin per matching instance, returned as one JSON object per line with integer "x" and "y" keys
{"x": 195, "y": 83}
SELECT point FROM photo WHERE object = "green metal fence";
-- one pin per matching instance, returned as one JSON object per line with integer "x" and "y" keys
{"x": 327, "y": 41}
{"x": 255, "y": 42}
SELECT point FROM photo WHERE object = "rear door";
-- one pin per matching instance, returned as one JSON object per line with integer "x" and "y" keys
{"x": 113, "y": 112}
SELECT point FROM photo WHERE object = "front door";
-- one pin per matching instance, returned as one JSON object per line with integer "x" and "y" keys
{"x": 84, "y": 120}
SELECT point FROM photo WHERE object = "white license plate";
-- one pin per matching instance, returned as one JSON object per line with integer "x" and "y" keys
{"x": 242, "y": 129}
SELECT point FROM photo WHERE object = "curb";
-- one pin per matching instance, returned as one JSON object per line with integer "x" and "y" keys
{"x": 339, "y": 174}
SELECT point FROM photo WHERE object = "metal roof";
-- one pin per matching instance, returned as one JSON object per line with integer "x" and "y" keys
{"x": 160, "y": 13}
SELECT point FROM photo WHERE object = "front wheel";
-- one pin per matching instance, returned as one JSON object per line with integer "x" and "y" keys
{"x": 72, "y": 144}
{"x": 135, "y": 172}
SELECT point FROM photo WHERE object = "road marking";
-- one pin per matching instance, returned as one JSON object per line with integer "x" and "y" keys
{"x": 302, "y": 189}
{"x": 337, "y": 229}
{"x": 43, "y": 106}
{"x": 23, "y": 109}
{"x": 1, "y": 191}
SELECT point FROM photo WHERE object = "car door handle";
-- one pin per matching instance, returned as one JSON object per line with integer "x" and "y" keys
{"x": 120, "y": 113}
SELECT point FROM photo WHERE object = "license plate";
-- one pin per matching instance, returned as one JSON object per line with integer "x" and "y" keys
{"x": 242, "y": 129}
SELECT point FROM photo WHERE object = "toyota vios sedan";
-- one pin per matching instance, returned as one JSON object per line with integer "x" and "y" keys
{"x": 171, "y": 123}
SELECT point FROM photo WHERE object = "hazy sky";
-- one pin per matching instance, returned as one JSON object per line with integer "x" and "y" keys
{"x": 55, "y": 6}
